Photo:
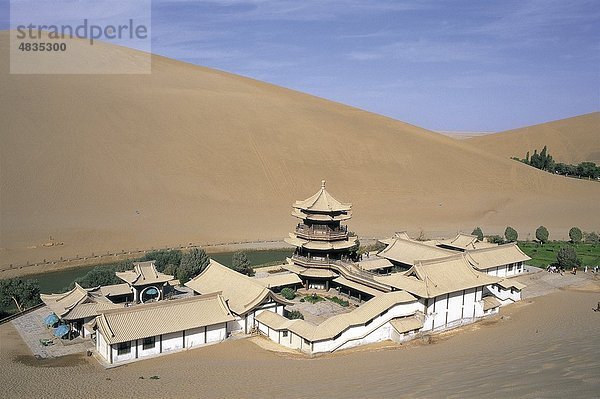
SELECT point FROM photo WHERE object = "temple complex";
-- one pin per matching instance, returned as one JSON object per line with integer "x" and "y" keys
{"x": 407, "y": 289}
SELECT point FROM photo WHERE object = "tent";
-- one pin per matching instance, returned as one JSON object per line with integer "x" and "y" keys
{"x": 61, "y": 331}
{"x": 51, "y": 319}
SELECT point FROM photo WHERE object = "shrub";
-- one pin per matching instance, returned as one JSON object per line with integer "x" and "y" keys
{"x": 567, "y": 258}
{"x": 511, "y": 234}
{"x": 495, "y": 239}
{"x": 314, "y": 298}
{"x": 339, "y": 301}
{"x": 477, "y": 232}
{"x": 542, "y": 234}
{"x": 288, "y": 293}
{"x": 294, "y": 314}
{"x": 575, "y": 235}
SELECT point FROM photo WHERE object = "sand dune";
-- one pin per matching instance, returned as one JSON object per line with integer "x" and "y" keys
{"x": 190, "y": 154}
{"x": 571, "y": 140}
{"x": 546, "y": 347}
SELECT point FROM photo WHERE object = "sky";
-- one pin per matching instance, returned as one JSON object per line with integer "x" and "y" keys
{"x": 443, "y": 65}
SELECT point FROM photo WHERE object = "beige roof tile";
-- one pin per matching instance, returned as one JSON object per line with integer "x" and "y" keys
{"x": 336, "y": 324}
{"x": 430, "y": 278}
{"x": 241, "y": 292}
{"x": 505, "y": 254}
{"x": 144, "y": 273}
{"x": 279, "y": 280}
{"x": 163, "y": 317}
{"x": 78, "y": 303}
{"x": 408, "y": 251}
{"x": 322, "y": 201}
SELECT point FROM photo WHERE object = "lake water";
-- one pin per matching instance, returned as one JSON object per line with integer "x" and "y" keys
{"x": 56, "y": 281}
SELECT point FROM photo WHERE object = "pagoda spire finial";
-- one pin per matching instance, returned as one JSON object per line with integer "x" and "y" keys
{"x": 322, "y": 183}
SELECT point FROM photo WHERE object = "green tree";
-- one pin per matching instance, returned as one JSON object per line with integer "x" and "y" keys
{"x": 20, "y": 293}
{"x": 192, "y": 264}
{"x": 567, "y": 258}
{"x": 477, "y": 232}
{"x": 288, "y": 293}
{"x": 527, "y": 158}
{"x": 241, "y": 264}
{"x": 511, "y": 234}
{"x": 163, "y": 257}
{"x": 575, "y": 235}
{"x": 591, "y": 237}
{"x": 541, "y": 233}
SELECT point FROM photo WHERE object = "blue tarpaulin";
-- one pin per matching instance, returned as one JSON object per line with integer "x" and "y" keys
{"x": 61, "y": 331}
{"x": 51, "y": 319}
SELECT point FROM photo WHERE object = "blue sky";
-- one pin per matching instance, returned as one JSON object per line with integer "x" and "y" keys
{"x": 442, "y": 65}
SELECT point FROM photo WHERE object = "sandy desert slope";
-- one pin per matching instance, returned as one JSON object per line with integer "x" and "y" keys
{"x": 571, "y": 140}
{"x": 190, "y": 154}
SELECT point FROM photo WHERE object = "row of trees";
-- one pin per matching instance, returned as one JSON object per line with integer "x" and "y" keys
{"x": 544, "y": 161}
{"x": 23, "y": 293}
{"x": 541, "y": 234}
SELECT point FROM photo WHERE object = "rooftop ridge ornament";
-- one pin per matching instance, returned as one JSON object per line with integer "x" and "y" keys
{"x": 322, "y": 183}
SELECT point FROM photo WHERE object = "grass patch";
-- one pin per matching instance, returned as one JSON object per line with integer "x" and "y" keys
{"x": 339, "y": 301}
{"x": 314, "y": 298}
{"x": 544, "y": 255}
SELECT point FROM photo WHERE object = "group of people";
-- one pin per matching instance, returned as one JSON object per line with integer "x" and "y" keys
{"x": 554, "y": 269}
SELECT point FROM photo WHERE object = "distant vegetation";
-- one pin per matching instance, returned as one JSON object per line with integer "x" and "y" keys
{"x": 18, "y": 294}
{"x": 588, "y": 254}
{"x": 544, "y": 161}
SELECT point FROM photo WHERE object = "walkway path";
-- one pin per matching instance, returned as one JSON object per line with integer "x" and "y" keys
{"x": 31, "y": 328}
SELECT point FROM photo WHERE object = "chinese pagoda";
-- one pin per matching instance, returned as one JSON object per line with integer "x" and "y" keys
{"x": 321, "y": 238}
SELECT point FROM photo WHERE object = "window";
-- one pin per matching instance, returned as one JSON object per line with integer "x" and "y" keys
{"x": 124, "y": 348}
{"x": 149, "y": 343}
{"x": 285, "y": 333}
{"x": 510, "y": 267}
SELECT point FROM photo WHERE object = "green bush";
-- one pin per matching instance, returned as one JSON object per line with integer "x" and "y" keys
{"x": 339, "y": 301}
{"x": 294, "y": 314}
{"x": 314, "y": 298}
{"x": 477, "y": 232}
{"x": 288, "y": 293}
{"x": 495, "y": 239}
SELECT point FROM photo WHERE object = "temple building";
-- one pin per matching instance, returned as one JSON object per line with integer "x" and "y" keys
{"x": 146, "y": 283}
{"x": 246, "y": 297}
{"x": 320, "y": 238}
{"x": 77, "y": 307}
{"x": 132, "y": 333}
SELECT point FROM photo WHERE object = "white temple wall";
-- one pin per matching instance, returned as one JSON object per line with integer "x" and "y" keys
{"x": 102, "y": 347}
{"x": 141, "y": 352}
{"x": 172, "y": 341}
{"x": 216, "y": 333}
{"x": 446, "y": 310}
{"x": 195, "y": 337}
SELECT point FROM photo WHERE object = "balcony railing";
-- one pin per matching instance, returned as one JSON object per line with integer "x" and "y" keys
{"x": 344, "y": 266}
{"x": 324, "y": 234}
